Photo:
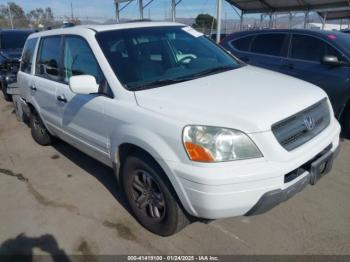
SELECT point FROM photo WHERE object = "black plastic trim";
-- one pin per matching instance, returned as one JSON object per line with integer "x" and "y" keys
{"x": 273, "y": 198}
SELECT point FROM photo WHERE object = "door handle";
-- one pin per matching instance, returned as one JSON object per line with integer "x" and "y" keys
{"x": 33, "y": 88}
{"x": 62, "y": 99}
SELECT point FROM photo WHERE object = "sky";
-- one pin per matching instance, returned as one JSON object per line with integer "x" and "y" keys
{"x": 104, "y": 9}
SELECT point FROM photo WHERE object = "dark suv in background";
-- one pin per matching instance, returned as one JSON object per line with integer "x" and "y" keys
{"x": 319, "y": 57}
{"x": 11, "y": 46}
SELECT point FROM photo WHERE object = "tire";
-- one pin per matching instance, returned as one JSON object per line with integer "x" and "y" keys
{"x": 157, "y": 209}
{"x": 4, "y": 91}
{"x": 38, "y": 130}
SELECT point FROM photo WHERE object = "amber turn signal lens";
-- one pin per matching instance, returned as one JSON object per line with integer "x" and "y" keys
{"x": 198, "y": 153}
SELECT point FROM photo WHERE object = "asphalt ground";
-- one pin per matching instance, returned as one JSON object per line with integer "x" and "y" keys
{"x": 56, "y": 200}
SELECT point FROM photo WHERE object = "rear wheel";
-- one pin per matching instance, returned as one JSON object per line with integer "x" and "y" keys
{"x": 4, "y": 91}
{"x": 39, "y": 132}
{"x": 151, "y": 197}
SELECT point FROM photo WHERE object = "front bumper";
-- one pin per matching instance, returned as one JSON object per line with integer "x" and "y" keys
{"x": 319, "y": 167}
{"x": 234, "y": 189}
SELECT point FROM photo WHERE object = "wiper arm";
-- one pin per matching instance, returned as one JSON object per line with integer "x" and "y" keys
{"x": 163, "y": 82}
{"x": 213, "y": 71}
{"x": 158, "y": 83}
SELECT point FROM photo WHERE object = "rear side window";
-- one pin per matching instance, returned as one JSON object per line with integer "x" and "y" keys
{"x": 48, "y": 64}
{"x": 268, "y": 44}
{"x": 27, "y": 56}
{"x": 242, "y": 44}
{"x": 308, "y": 48}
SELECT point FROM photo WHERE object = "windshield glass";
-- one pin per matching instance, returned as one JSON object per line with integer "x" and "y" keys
{"x": 344, "y": 39}
{"x": 13, "y": 40}
{"x": 151, "y": 57}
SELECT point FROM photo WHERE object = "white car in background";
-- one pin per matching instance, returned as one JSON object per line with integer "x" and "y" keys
{"x": 199, "y": 137}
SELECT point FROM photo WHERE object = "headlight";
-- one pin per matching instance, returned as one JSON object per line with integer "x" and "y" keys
{"x": 216, "y": 144}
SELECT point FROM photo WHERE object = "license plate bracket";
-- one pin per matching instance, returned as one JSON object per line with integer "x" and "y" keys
{"x": 321, "y": 167}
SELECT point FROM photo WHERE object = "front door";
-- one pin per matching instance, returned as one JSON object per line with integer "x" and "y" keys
{"x": 82, "y": 115}
{"x": 305, "y": 62}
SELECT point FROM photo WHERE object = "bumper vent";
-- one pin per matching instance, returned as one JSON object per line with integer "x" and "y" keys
{"x": 303, "y": 126}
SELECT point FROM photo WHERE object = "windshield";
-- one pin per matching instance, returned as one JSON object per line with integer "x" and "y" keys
{"x": 344, "y": 39}
{"x": 13, "y": 40}
{"x": 151, "y": 57}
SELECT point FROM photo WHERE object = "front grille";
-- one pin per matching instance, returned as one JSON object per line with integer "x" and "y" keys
{"x": 303, "y": 126}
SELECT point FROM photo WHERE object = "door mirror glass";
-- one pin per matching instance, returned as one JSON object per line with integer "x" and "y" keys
{"x": 331, "y": 61}
{"x": 83, "y": 84}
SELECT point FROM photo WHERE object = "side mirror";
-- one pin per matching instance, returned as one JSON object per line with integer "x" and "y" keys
{"x": 332, "y": 61}
{"x": 83, "y": 84}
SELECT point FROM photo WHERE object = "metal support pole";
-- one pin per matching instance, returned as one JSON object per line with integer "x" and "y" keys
{"x": 261, "y": 21}
{"x": 270, "y": 21}
{"x": 173, "y": 10}
{"x": 10, "y": 16}
{"x": 341, "y": 24}
{"x": 218, "y": 21}
{"x": 306, "y": 20}
{"x": 141, "y": 9}
{"x": 117, "y": 12}
{"x": 241, "y": 21}
{"x": 290, "y": 25}
{"x": 324, "y": 21}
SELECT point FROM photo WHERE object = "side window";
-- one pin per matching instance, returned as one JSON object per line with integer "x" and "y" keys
{"x": 308, "y": 48}
{"x": 48, "y": 64}
{"x": 268, "y": 44}
{"x": 80, "y": 60}
{"x": 27, "y": 56}
{"x": 242, "y": 44}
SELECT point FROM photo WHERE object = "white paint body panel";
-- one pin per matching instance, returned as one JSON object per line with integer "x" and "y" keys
{"x": 248, "y": 99}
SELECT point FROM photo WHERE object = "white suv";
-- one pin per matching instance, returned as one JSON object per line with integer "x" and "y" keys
{"x": 192, "y": 133}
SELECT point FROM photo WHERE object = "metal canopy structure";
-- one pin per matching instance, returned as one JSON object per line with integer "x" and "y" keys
{"x": 271, "y": 7}
{"x": 142, "y": 5}
{"x": 264, "y": 7}
{"x": 277, "y": 6}
{"x": 335, "y": 15}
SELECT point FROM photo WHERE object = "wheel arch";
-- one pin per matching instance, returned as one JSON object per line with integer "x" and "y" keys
{"x": 127, "y": 148}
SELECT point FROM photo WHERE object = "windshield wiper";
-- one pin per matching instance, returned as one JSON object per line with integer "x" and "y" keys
{"x": 212, "y": 71}
{"x": 158, "y": 83}
{"x": 163, "y": 82}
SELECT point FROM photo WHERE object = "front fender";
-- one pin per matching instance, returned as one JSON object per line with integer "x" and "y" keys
{"x": 154, "y": 145}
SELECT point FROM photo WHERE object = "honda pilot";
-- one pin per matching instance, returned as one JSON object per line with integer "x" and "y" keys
{"x": 192, "y": 133}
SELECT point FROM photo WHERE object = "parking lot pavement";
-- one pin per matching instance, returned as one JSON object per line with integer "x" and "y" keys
{"x": 58, "y": 200}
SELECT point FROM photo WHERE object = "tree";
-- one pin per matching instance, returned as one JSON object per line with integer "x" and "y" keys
{"x": 13, "y": 12}
{"x": 41, "y": 17}
{"x": 205, "y": 22}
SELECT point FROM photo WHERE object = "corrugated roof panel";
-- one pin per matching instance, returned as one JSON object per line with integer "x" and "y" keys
{"x": 261, "y": 6}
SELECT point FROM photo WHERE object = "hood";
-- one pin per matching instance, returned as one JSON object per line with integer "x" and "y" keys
{"x": 12, "y": 54}
{"x": 249, "y": 99}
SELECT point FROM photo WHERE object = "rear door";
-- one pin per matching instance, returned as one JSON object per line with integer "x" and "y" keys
{"x": 24, "y": 76}
{"x": 304, "y": 62}
{"x": 240, "y": 47}
{"x": 268, "y": 50}
{"x": 82, "y": 116}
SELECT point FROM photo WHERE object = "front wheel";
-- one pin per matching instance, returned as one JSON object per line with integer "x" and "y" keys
{"x": 38, "y": 130}
{"x": 4, "y": 91}
{"x": 151, "y": 197}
